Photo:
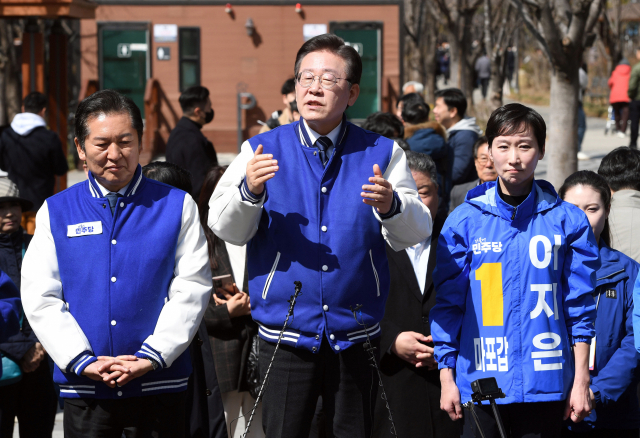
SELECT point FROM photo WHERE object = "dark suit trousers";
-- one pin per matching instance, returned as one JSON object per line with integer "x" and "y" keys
{"x": 298, "y": 377}
{"x": 157, "y": 416}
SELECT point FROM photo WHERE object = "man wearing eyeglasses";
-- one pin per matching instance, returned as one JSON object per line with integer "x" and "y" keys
{"x": 316, "y": 200}
{"x": 484, "y": 168}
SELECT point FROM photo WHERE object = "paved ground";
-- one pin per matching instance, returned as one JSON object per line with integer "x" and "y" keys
{"x": 596, "y": 144}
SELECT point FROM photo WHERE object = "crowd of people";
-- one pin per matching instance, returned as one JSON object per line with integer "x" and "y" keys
{"x": 153, "y": 301}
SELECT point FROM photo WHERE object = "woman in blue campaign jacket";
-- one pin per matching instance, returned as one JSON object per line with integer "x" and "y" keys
{"x": 613, "y": 362}
{"x": 514, "y": 275}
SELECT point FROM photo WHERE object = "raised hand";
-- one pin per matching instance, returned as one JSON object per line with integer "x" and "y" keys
{"x": 379, "y": 193}
{"x": 261, "y": 168}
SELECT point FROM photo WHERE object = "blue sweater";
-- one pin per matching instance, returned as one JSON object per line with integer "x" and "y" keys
{"x": 116, "y": 282}
{"x": 328, "y": 239}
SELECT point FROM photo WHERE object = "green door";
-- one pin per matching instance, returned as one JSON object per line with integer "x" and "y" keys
{"x": 124, "y": 62}
{"x": 367, "y": 43}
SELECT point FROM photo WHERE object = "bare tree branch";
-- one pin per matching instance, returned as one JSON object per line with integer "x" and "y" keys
{"x": 528, "y": 21}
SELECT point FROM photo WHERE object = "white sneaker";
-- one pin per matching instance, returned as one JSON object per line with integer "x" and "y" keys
{"x": 583, "y": 156}
{"x": 622, "y": 134}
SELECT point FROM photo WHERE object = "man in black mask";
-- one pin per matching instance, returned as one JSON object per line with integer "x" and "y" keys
{"x": 187, "y": 146}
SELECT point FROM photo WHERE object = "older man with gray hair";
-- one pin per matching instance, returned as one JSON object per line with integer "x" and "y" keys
{"x": 409, "y": 371}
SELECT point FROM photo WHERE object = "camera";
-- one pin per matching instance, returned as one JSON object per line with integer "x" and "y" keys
{"x": 486, "y": 389}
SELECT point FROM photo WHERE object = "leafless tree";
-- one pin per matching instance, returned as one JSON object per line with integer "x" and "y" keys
{"x": 498, "y": 16}
{"x": 609, "y": 30}
{"x": 457, "y": 18}
{"x": 563, "y": 28}
{"x": 420, "y": 46}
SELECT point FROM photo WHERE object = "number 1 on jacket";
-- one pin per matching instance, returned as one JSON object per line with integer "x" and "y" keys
{"x": 490, "y": 277}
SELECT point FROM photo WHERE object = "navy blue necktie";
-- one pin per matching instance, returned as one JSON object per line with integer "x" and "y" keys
{"x": 113, "y": 200}
{"x": 323, "y": 144}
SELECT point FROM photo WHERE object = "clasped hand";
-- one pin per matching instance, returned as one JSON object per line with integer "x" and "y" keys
{"x": 118, "y": 370}
{"x": 409, "y": 347}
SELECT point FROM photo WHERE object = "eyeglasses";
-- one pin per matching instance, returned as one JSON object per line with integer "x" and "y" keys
{"x": 327, "y": 80}
{"x": 483, "y": 159}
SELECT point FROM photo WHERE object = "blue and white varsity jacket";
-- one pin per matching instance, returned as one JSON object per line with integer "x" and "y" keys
{"x": 135, "y": 282}
{"x": 312, "y": 226}
{"x": 513, "y": 292}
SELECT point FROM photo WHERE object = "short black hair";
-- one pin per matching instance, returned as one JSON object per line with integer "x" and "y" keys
{"x": 168, "y": 173}
{"x": 385, "y": 124}
{"x": 34, "y": 102}
{"x": 192, "y": 98}
{"x": 515, "y": 118}
{"x": 409, "y": 97}
{"x": 479, "y": 142}
{"x": 598, "y": 184}
{"x": 415, "y": 112}
{"x": 288, "y": 87}
{"x": 106, "y": 102}
{"x": 621, "y": 169}
{"x": 454, "y": 98}
{"x": 293, "y": 106}
{"x": 423, "y": 163}
{"x": 336, "y": 45}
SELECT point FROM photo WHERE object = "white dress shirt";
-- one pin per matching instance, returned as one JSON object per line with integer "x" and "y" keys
{"x": 104, "y": 191}
{"x": 333, "y": 136}
{"x": 419, "y": 256}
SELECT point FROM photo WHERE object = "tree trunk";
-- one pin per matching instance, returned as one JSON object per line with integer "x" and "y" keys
{"x": 498, "y": 74}
{"x": 456, "y": 59}
{"x": 562, "y": 147}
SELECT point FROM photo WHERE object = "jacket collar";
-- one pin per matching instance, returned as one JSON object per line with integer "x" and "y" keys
{"x": 304, "y": 138}
{"x": 411, "y": 130}
{"x": 485, "y": 197}
{"x": 95, "y": 191}
{"x": 611, "y": 269}
{"x": 187, "y": 123}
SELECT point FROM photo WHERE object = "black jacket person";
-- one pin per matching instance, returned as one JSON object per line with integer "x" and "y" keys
{"x": 187, "y": 146}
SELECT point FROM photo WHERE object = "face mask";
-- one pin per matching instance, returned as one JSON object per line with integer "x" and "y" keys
{"x": 208, "y": 117}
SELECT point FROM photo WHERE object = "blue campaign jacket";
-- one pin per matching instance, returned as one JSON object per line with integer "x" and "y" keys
{"x": 114, "y": 286}
{"x": 615, "y": 375}
{"x": 514, "y": 289}
{"x": 315, "y": 229}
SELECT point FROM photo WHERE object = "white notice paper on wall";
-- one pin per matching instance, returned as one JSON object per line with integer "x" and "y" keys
{"x": 311, "y": 30}
{"x": 165, "y": 33}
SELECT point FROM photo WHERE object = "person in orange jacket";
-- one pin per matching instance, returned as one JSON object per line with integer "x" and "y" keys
{"x": 618, "y": 98}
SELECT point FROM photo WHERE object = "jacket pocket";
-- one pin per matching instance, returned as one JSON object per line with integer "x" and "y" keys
{"x": 375, "y": 273}
{"x": 270, "y": 277}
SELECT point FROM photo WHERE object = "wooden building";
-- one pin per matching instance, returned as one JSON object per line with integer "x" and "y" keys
{"x": 153, "y": 49}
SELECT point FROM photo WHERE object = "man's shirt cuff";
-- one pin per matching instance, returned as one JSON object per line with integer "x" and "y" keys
{"x": 395, "y": 207}
{"x": 247, "y": 195}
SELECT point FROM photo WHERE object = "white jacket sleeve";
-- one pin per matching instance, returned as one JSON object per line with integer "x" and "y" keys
{"x": 43, "y": 300}
{"x": 413, "y": 224}
{"x": 231, "y": 218}
{"x": 189, "y": 292}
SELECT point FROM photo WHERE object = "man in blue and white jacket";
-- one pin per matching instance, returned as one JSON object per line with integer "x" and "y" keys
{"x": 115, "y": 283}
{"x": 313, "y": 222}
